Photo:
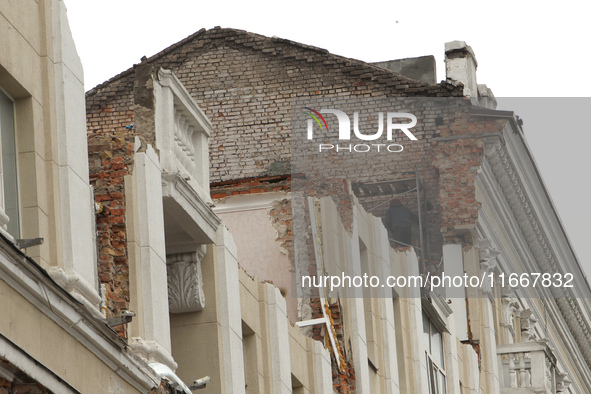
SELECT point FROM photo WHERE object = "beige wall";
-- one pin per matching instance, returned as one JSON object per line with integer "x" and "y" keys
{"x": 259, "y": 253}
{"x": 272, "y": 350}
{"x": 24, "y": 75}
{"x": 197, "y": 338}
{"x": 41, "y": 71}
{"x": 31, "y": 329}
{"x": 308, "y": 363}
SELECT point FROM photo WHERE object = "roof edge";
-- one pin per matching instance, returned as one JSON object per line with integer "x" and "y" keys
{"x": 202, "y": 31}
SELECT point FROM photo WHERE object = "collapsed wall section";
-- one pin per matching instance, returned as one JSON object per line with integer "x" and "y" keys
{"x": 120, "y": 122}
{"x": 110, "y": 151}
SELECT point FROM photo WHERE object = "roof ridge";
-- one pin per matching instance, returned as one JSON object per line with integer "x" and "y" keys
{"x": 235, "y": 35}
{"x": 163, "y": 52}
{"x": 327, "y": 52}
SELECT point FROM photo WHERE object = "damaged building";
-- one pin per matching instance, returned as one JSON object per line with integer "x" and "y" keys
{"x": 485, "y": 210}
{"x": 174, "y": 261}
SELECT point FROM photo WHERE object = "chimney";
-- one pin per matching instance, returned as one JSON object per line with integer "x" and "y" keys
{"x": 460, "y": 65}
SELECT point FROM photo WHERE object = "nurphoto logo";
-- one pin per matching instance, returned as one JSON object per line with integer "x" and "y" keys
{"x": 392, "y": 125}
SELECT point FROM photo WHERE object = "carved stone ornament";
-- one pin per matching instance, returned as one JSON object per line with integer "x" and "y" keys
{"x": 185, "y": 281}
{"x": 506, "y": 176}
{"x": 488, "y": 253}
{"x": 562, "y": 383}
{"x": 487, "y": 264}
{"x": 510, "y": 306}
{"x": 527, "y": 319}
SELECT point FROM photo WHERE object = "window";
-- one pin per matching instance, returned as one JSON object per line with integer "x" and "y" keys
{"x": 251, "y": 367}
{"x": 435, "y": 357}
{"x": 8, "y": 167}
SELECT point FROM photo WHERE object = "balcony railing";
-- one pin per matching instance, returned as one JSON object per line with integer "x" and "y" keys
{"x": 528, "y": 367}
{"x": 182, "y": 134}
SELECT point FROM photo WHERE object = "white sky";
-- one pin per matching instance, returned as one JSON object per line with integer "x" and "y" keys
{"x": 524, "y": 49}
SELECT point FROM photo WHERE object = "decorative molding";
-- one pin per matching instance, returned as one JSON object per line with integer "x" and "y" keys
{"x": 506, "y": 176}
{"x": 151, "y": 351}
{"x": 510, "y": 306}
{"x": 488, "y": 264}
{"x": 78, "y": 288}
{"x": 4, "y": 220}
{"x": 183, "y": 98}
{"x": 249, "y": 202}
{"x": 182, "y": 133}
{"x": 441, "y": 303}
{"x": 185, "y": 281}
{"x": 562, "y": 382}
{"x": 527, "y": 322}
{"x": 177, "y": 188}
{"x": 33, "y": 284}
{"x": 501, "y": 213}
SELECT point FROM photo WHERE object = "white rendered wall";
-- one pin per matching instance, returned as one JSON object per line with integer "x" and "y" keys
{"x": 150, "y": 331}
{"x": 229, "y": 314}
{"x": 77, "y": 252}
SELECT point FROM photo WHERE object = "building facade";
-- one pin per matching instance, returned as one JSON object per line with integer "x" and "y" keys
{"x": 52, "y": 332}
{"x": 479, "y": 185}
{"x": 174, "y": 262}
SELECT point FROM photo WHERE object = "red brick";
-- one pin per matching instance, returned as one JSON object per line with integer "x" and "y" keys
{"x": 116, "y": 219}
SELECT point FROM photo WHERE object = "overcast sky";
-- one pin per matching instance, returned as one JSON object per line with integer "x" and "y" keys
{"x": 523, "y": 48}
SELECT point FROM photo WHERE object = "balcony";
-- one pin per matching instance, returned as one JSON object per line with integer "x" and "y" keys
{"x": 529, "y": 367}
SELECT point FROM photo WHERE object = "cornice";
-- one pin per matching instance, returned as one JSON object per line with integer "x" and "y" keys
{"x": 176, "y": 187}
{"x": 35, "y": 285}
{"x": 507, "y": 178}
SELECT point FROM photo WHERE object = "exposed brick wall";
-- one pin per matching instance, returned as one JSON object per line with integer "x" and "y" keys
{"x": 115, "y": 119}
{"x": 14, "y": 387}
{"x": 280, "y": 215}
{"x": 457, "y": 162}
{"x": 110, "y": 158}
{"x": 343, "y": 378}
{"x": 250, "y": 186}
{"x": 245, "y": 82}
{"x": 109, "y": 111}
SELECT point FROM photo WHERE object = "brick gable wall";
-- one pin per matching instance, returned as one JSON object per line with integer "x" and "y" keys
{"x": 245, "y": 83}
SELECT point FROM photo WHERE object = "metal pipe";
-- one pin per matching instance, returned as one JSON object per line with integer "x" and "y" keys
{"x": 402, "y": 243}
{"x": 392, "y": 198}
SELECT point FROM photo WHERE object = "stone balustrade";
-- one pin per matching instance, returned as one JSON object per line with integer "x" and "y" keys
{"x": 529, "y": 367}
